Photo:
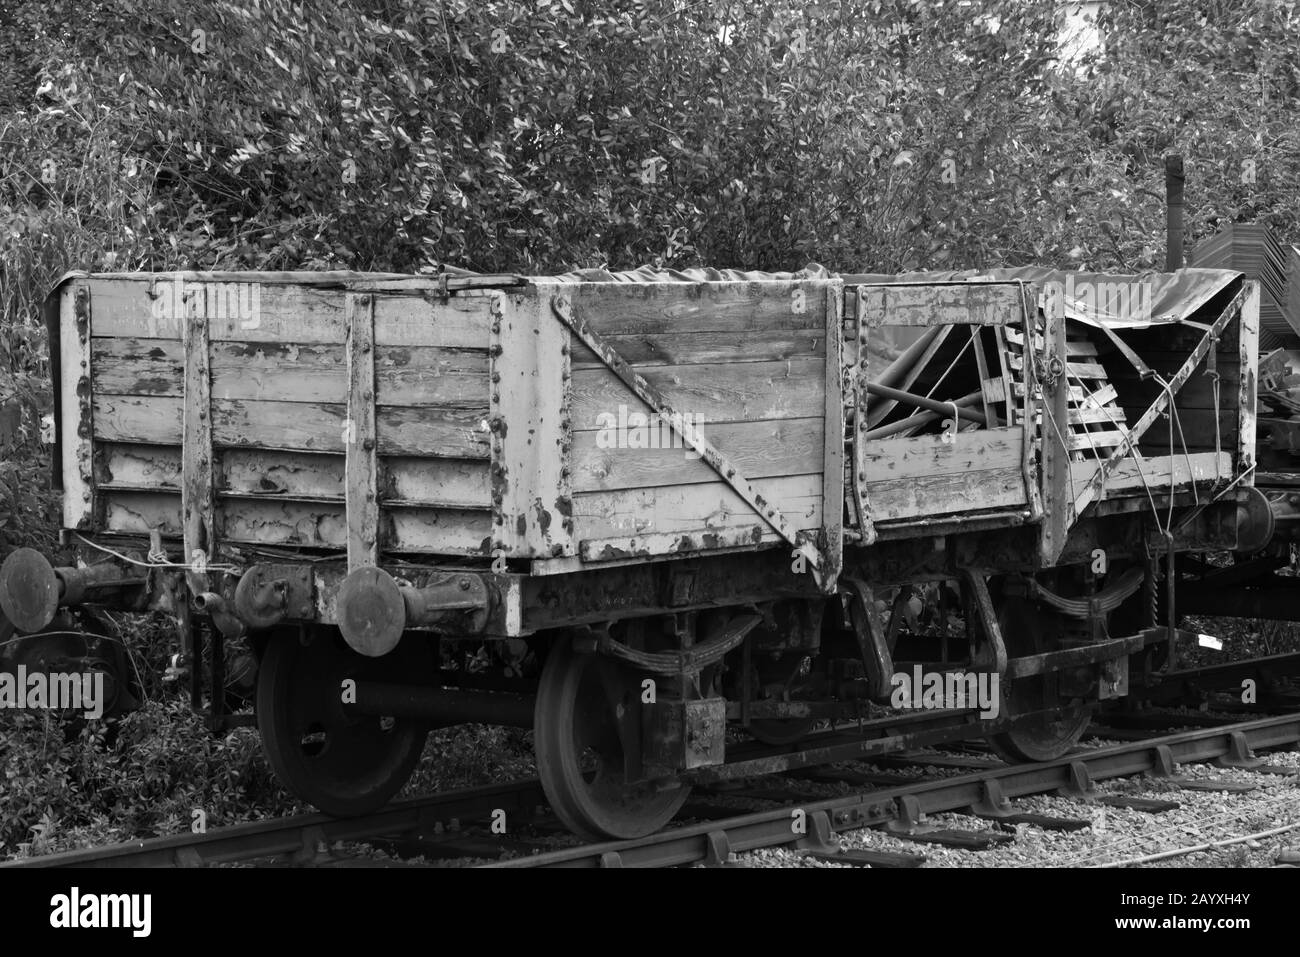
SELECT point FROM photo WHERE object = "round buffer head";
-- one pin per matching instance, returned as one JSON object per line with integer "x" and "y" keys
{"x": 371, "y": 612}
{"x": 29, "y": 590}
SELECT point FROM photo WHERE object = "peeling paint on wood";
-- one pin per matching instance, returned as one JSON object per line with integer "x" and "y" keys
{"x": 1248, "y": 346}
{"x": 360, "y": 441}
{"x": 196, "y": 453}
{"x": 75, "y": 408}
{"x": 295, "y": 426}
{"x": 925, "y": 304}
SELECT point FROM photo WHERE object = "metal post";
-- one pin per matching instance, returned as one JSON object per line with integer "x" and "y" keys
{"x": 1174, "y": 212}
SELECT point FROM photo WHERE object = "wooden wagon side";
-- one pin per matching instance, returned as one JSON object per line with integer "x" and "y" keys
{"x": 666, "y": 420}
{"x": 287, "y": 412}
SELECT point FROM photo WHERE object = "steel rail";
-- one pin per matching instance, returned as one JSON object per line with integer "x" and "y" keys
{"x": 299, "y": 835}
{"x": 1074, "y": 774}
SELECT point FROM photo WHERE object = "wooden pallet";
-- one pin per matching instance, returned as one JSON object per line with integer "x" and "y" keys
{"x": 1097, "y": 424}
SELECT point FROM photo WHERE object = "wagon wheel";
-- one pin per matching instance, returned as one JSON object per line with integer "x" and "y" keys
{"x": 85, "y": 644}
{"x": 1043, "y": 737}
{"x": 341, "y": 762}
{"x": 580, "y": 758}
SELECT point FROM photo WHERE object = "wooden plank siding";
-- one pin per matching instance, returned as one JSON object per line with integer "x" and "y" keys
{"x": 277, "y": 414}
{"x": 922, "y": 475}
{"x": 905, "y": 478}
{"x": 748, "y": 363}
{"x": 469, "y": 425}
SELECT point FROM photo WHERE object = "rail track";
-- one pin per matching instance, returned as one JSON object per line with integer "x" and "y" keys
{"x": 974, "y": 784}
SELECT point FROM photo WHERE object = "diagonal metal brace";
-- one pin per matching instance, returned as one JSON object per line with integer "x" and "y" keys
{"x": 652, "y": 397}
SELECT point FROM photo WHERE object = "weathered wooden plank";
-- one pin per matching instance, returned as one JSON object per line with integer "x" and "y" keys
{"x": 982, "y": 366}
{"x": 1077, "y": 394}
{"x": 620, "y": 309}
{"x": 1085, "y": 370}
{"x": 447, "y": 482}
{"x": 1055, "y": 472}
{"x": 949, "y": 493}
{"x": 1074, "y": 347}
{"x": 289, "y": 474}
{"x": 139, "y": 513}
{"x": 360, "y": 439}
{"x": 259, "y": 311}
{"x": 924, "y": 304}
{"x": 294, "y": 426}
{"x": 1017, "y": 337}
{"x": 1075, "y": 370}
{"x": 135, "y": 366}
{"x": 1085, "y": 441}
{"x": 677, "y": 348}
{"x": 285, "y": 522}
{"x": 438, "y": 433}
{"x": 439, "y": 531}
{"x": 706, "y": 507}
{"x": 832, "y": 537}
{"x": 1128, "y": 475}
{"x": 1086, "y": 414}
{"x": 718, "y": 392}
{"x": 762, "y": 449}
{"x": 677, "y": 543}
{"x": 287, "y": 372}
{"x": 153, "y": 308}
{"x": 196, "y": 454}
{"x": 138, "y": 466}
{"x": 994, "y": 391}
{"x": 1096, "y": 398}
{"x": 427, "y": 376}
{"x": 531, "y": 428}
{"x": 1248, "y": 344}
{"x": 77, "y": 428}
{"x": 921, "y": 455}
{"x": 461, "y": 322}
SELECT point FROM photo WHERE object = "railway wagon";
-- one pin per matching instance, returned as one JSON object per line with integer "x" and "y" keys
{"x": 685, "y": 526}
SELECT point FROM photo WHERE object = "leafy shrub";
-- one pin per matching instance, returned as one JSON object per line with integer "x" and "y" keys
{"x": 69, "y": 783}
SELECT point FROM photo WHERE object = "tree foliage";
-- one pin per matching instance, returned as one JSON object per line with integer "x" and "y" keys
{"x": 539, "y": 136}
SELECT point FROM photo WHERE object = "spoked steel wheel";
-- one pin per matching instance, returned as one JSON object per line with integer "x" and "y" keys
{"x": 342, "y": 762}
{"x": 580, "y": 756}
{"x": 1045, "y": 736}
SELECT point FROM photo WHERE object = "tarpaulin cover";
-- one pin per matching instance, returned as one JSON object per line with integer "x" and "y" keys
{"x": 1119, "y": 301}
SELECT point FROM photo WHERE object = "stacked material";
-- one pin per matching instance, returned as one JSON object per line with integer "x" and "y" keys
{"x": 1253, "y": 249}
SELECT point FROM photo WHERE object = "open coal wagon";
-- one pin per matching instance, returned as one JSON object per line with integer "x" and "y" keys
{"x": 686, "y": 526}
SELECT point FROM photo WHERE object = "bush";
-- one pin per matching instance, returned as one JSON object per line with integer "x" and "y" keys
{"x": 71, "y": 783}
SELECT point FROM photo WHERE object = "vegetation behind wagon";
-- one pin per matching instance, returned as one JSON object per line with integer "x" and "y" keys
{"x": 540, "y": 136}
